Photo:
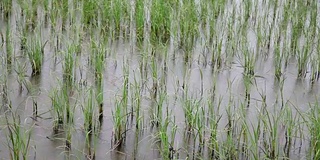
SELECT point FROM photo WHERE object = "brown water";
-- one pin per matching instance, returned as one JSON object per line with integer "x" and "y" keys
{"x": 297, "y": 93}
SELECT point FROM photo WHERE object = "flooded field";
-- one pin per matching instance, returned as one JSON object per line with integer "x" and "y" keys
{"x": 148, "y": 79}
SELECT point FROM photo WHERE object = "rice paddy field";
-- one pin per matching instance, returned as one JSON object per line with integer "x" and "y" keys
{"x": 156, "y": 79}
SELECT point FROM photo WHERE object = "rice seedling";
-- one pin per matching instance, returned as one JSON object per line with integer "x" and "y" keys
{"x": 2, "y": 40}
{"x": 291, "y": 120}
{"x": 158, "y": 108}
{"x": 253, "y": 136}
{"x": 6, "y": 8}
{"x": 229, "y": 149}
{"x": 298, "y": 24}
{"x": 69, "y": 126}
{"x": 160, "y": 21}
{"x": 117, "y": 13}
{"x": 61, "y": 107}
{"x": 191, "y": 107}
{"x": 58, "y": 111}
{"x": 216, "y": 59}
{"x": 46, "y": 8}
{"x": 90, "y": 12}
{"x": 91, "y": 143}
{"x": 120, "y": 114}
{"x": 316, "y": 64}
{"x": 313, "y": 126}
{"x": 98, "y": 60}
{"x": 9, "y": 45}
{"x": 99, "y": 99}
{"x": 278, "y": 57}
{"x": 139, "y": 17}
{"x": 119, "y": 120}
{"x": 167, "y": 41}
{"x": 155, "y": 111}
{"x": 69, "y": 63}
{"x": 214, "y": 119}
{"x": 271, "y": 28}
{"x": 21, "y": 70}
{"x": 18, "y": 138}
{"x": 166, "y": 145}
{"x": 35, "y": 52}
{"x": 199, "y": 127}
{"x": 247, "y": 11}
{"x": 5, "y": 99}
{"x": 89, "y": 112}
{"x": 188, "y": 27}
{"x": 136, "y": 103}
{"x": 242, "y": 138}
{"x": 303, "y": 60}
{"x": 23, "y": 37}
{"x": 68, "y": 132}
{"x": 270, "y": 134}
{"x": 53, "y": 17}
{"x": 248, "y": 62}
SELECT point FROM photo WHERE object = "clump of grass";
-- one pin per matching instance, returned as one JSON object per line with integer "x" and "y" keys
{"x": 21, "y": 70}
{"x": 69, "y": 126}
{"x": 91, "y": 143}
{"x": 69, "y": 63}
{"x": 160, "y": 21}
{"x": 156, "y": 117}
{"x": 213, "y": 120}
{"x": 316, "y": 60}
{"x": 271, "y": 134}
{"x": 157, "y": 94}
{"x": 188, "y": 27}
{"x": 18, "y": 138}
{"x": 120, "y": 113}
{"x": 9, "y": 47}
{"x": 314, "y": 126}
{"x": 298, "y": 23}
{"x": 23, "y": 37}
{"x": 140, "y": 19}
{"x": 90, "y": 12}
{"x": 5, "y": 99}
{"x": 89, "y": 111}
{"x": 278, "y": 62}
{"x": 35, "y": 52}
{"x": 216, "y": 57}
{"x": 53, "y": 16}
{"x": 136, "y": 103}
{"x": 116, "y": 13}
{"x": 248, "y": 73}
{"x": 58, "y": 113}
{"x": 303, "y": 58}
{"x": 61, "y": 107}
{"x": 98, "y": 59}
{"x": 68, "y": 132}
{"x": 291, "y": 121}
{"x": 6, "y": 7}
{"x": 249, "y": 63}
{"x": 190, "y": 108}
{"x": 253, "y": 138}
{"x": 200, "y": 127}
{"x": 119, "y": 120}
{"x": 229, "y": 150}
{"x": 167, "y": 139}
{"x": 99, "y": 98}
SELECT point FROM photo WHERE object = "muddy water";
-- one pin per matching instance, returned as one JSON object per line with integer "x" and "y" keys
{"x": 228, "y": 79}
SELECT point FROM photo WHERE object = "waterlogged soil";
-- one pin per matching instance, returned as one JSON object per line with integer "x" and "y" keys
{"x": 201, "y": 78}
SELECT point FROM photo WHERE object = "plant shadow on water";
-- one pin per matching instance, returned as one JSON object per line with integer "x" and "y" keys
{"x": 140, "y": 79}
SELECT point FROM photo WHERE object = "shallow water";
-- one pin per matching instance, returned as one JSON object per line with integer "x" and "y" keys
{"x": 179, "y": 78}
